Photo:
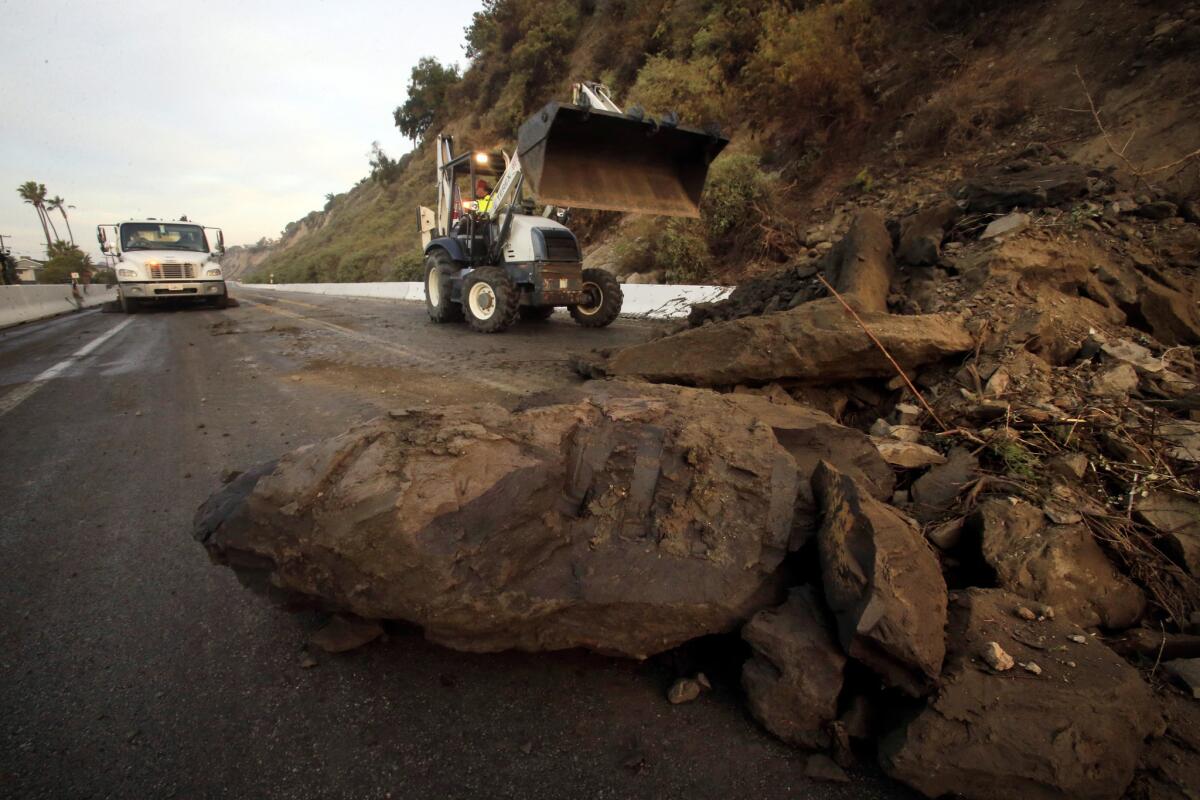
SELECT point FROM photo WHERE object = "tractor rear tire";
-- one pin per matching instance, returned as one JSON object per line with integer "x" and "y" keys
{"x": 536, "y": 313}
{"x": 606, "y": 300}
{"x": 439, "y": 271}
{"x": 490, "y": 300}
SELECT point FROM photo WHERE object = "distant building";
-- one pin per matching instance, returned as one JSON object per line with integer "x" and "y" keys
{"x": 27, "y": 269}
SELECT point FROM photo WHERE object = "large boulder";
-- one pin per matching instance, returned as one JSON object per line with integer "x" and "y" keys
{"x": 1072, "y": 727}
{"x": 816, "y": 342}
{"x": 626, "y": 523}
{"x": 1059, "y": 565}
{"x": 793, "y": 680}
{"x": 882, "y": 582}
{"x": 810, "y": 437}
{"x": 1002, "y": 189}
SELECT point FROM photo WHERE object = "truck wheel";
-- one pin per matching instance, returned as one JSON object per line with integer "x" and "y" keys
{"x": 439, "y": 269}
{"x": 606, "y": 299}
{"x": 536, "y": 313}
{"x": 490, "y": 300}
{"x": 220, "y": 302}
{"x": 128, "y": 305}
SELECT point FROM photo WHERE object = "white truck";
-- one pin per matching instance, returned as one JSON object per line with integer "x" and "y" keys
{"x": 162, "y": 260}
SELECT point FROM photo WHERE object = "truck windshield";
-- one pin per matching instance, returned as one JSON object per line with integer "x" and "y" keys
{"x": 163, "y": 236}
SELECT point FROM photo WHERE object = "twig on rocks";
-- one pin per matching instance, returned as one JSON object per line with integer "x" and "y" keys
{"x": 899, "y": 371}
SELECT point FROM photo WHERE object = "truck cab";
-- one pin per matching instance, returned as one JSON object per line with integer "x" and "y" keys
{"x": 163, "y": 260}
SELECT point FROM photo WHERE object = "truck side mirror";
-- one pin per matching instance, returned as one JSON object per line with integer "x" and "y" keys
{"x": 221, "y": 243}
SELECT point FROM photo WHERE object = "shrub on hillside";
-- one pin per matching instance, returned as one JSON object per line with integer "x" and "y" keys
{"x": 813, "y": 62}
{"x": 737, "y": 200}
{"x": 408, "y": 266}
{"x": 962, "y": 114}
{"x": 676, "y": 246}
{"x": 690, "y": 88}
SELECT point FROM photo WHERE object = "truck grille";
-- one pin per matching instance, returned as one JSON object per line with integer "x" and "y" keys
{"x": 172, "y": 272}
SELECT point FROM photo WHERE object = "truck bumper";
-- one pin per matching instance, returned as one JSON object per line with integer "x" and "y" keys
{"x": 164, "y": 290}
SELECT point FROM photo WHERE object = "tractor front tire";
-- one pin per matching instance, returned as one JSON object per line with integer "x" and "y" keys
{"x": 536, "y": 313}
{"x": 128, "y": 305}
{"x": 490, "y": 300}
{"x": 439, "y": 271}
{"x": 606, "y": 299}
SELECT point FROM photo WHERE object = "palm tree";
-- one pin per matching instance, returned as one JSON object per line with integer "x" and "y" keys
{"x": 56, "y": 203}
{"x": 34, "y": 193}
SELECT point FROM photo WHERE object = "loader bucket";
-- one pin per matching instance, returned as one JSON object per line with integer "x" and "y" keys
{"x": 586, "y": 158}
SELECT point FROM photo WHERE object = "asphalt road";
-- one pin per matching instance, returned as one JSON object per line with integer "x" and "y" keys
{"x": 132, "y": 667}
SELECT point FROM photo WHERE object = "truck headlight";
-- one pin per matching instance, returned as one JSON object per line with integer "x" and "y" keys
{"x": 126, "y": 273}
{"x": 215, "y": 272}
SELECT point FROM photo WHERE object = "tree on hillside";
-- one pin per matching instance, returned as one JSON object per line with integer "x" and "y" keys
{"x": 426, "y": 97}
{"x": 384, "y": 170}
{"x": 34, "y": 194}
{"x": 65, "y": 258}
{"x": 58, "y": 204}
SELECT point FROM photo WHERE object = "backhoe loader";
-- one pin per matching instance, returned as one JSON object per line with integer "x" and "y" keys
{"x": 491, "y": 260}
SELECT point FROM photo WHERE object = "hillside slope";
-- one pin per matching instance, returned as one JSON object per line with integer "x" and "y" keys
{"x": 863, "y": 101}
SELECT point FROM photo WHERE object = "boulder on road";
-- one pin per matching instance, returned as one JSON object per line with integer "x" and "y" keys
{"x": 1074, "y": 730}
{"x": 882, "y": 582}
{"x": 810, "y": 437}
{"x": 1060, "y": 565}
{"x": 624, "y": 523}
{"x": 816, "y": 342}
{"x": 793, "y": 680}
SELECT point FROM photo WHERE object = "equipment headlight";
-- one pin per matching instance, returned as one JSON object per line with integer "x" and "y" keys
{"x": 214, "y": 272}
{"x": 481, "y": 158}
{"x": 126, "y": 273}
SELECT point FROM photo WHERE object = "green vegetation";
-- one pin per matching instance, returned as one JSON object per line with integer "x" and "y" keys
{"x": 427, "y": 89}
{"x": 796, "y": 83}
{"x": 65, "y": 258}
{"x": 1017, "y": 459}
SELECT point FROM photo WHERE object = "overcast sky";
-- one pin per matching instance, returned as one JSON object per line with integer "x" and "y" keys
{"x": 242, "y": 115}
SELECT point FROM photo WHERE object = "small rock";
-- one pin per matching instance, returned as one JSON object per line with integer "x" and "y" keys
{"x": 908, "y": 455}
{"x": 1026, "y": 613}
{"x": 1078, "y": 638}
{"x": 1068, "y": 465}
{"x": 1005, "y": 225}
{"x": 346, "y": 632}
{"x": 307, "y": 661}
{"x": 684, "y": 690}
{"x": 1157, "y": 210}
{"x": 1134, "y": 354}
{"x": 230, "y": 475}
{"x": 1030, "y": 666}
{"x": 527, "y": 748}
{"x": 1187, "y": 672}
{"x": 1116, "y": 381}
{"x": 821, "y": 767}
{"x": 1046, "y": 611}
{"x": 946, "y": 535}
{"x": 907, "y": 413}
{"x": 702, "y": 679}
{"x": 994, "y": 656}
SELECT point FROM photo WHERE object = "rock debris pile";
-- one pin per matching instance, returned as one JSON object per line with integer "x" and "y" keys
{"x": 951, "y": 506}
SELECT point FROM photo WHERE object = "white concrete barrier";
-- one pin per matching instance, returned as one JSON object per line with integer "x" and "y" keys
{"x": 641, "y": 300}
{"x": 26, "y": 303}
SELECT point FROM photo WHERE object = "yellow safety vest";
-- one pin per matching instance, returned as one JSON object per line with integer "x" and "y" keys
{"x": 484, "y": 204}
